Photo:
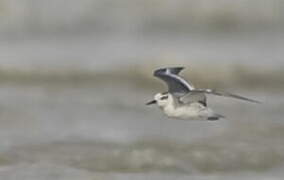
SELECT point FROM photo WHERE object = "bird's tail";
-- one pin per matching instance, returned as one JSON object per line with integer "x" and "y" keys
{"x": 215, "y": 117}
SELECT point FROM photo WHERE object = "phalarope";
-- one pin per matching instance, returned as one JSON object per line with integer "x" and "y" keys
{"x": 183, "y": 101}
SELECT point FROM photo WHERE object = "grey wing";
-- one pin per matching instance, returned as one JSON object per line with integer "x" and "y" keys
{"x": 192, "y": 97}
{"x": 176, "y": 84}
{"x": 225, "y": 94}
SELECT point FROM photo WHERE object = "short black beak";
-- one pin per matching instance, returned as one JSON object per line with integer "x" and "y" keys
{"x": 151, "y": 102}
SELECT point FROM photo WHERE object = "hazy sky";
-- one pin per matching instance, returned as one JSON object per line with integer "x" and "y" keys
{"x": 101, "y": 33}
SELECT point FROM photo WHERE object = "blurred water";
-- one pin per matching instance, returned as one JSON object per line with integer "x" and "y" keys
{"x": 104, "y": 52}
{"x": 83, "y": 131}
{"x": 74, "y": 79}
{"x": 19, "y": 17}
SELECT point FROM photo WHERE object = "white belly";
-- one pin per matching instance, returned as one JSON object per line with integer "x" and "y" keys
{"x": 187, "y": 112}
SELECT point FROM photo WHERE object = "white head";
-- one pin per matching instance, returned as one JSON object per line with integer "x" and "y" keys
{"x": 162, "y": 99}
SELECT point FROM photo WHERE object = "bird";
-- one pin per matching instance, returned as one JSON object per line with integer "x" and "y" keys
{"x": 183, "y": 101}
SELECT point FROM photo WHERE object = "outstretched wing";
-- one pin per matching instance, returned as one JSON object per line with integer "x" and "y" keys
{"x": 192, "y": 97}
{"x": 176, "y": 84}
{"x": 225, "y": 94}
{"x": 185, "y": 92}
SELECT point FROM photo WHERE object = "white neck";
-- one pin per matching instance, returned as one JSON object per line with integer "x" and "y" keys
{"x": 170, "y": 108}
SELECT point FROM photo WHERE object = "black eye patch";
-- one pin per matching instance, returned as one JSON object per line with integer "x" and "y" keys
{"x": 164, "y": 97}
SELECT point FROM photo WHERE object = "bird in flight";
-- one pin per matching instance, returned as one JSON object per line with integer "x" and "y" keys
{"x": 183, "y": 100}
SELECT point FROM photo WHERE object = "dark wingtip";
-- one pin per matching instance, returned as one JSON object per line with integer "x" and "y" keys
{"x": 220, "y": 93}
{"x": 172, "y": 70}
{"x": 251, "y": 100}
{"x": 255, "y": 101}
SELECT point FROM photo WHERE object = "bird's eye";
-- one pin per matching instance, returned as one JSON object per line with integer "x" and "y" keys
{"x": 164, "y": 97}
